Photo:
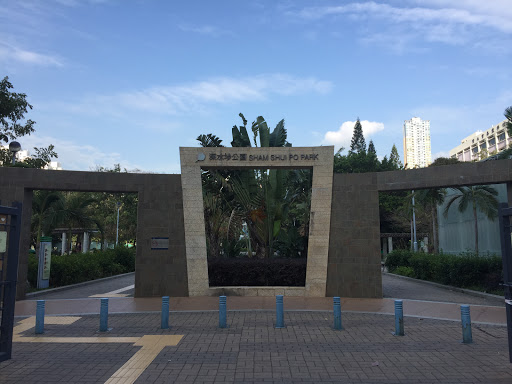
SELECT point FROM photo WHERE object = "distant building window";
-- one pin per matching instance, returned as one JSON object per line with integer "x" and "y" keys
{"x": 501, "y": 137}
{"x": 492, "y": 142}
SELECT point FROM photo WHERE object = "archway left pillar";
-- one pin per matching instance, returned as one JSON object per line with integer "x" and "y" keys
{"x": 10, "y": 193}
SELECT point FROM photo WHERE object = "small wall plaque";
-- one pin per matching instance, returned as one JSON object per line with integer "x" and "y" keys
{"x": 159, "y": 243}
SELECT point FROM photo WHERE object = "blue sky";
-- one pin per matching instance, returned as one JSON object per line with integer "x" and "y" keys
{"x": 121, "y": 81}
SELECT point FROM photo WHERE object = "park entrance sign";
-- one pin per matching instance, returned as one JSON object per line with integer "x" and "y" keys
{"x": 319, "y": 159}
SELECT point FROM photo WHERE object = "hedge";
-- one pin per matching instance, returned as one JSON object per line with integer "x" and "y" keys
{"x": 257, "y": 272}
{"x": 465, "y": 270}
{"x": 79, "y": 267}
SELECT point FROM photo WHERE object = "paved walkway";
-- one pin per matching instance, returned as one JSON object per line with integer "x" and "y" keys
{"x": 94, "y": 288}
{"x": 308, "y": 350}
{"x": 392, "y": 286}
{"x": 399, "y": 288}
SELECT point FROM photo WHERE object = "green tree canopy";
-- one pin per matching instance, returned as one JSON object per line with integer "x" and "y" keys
{"x": 444, "y": 161}
{"x": 358, "y": 144}
{"x": 508, "y": 116}
{"x": 265, "y": 212}
{"x": 13, "y": 107}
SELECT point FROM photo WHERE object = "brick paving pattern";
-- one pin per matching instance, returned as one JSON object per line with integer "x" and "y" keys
{"x": 308, "y": 350}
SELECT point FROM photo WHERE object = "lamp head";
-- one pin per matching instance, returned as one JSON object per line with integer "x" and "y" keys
{"x": 14, "y": 146}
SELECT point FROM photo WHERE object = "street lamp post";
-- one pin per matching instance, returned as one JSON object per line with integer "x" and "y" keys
{"x": 14, "y": 147}
{"x": 118, "y": 204}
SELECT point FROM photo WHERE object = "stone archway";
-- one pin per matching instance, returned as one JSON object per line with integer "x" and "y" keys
{"x": 319, "y": 159}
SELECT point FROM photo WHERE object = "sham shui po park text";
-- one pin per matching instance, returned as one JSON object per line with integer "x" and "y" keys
{"x": 245, "y": 157}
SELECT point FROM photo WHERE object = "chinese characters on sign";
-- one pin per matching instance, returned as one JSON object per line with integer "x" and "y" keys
{"x": 245, "y": 157}
{"x": 47, "y": 258}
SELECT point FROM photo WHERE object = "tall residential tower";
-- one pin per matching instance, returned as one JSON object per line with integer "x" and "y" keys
{"x": 417, "y": 143}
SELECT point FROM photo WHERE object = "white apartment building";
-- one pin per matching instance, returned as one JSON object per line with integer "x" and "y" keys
{"x": 480, "y": 144}
{"x": 417, "y": 152}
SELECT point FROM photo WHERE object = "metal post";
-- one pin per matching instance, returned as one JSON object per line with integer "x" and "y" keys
{"x": 222, "y": 312}
{"x": 467, "y": 337}
{"x": 40, "y": 317}
{"x": 399, "y": 318}
{"x": 165, "y": 312}
{"x": 118, "y": 204}
{"x": 279, "y": 312}
{"x": 415, "y": 243}
{"x": 104, "y": 315}
{"x": 504, "y": 213}
{"x": 337, "y": 313}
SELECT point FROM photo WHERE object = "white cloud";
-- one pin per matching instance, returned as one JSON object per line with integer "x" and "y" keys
{"x": 343, "y": 136}
{"x": 445, "y": 21}
{"x": 207, "y": 30}
{"x": 452, "y": 14}
{"x": 12, "y": 54}
{"x": 495, "y": 9}
{"x": 75, "y": 3}
{"x": 440, "y": 154}
{"x": 177, "y": 99}
{"x": 76, "y": 157}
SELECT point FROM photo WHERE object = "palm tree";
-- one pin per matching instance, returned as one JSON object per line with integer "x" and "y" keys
{"x": 43, "y": 212}
{"x": 430, "y": 199}
{"x": 508, "y": 116}
{"x": 72, "y": 212}
{"x": 480, "y": 197}
{"x": 253, "y": 197}
{"x": 209, "y": 140}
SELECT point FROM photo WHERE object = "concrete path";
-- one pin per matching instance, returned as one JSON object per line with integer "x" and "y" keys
{"x": 94, "y": 288}
{"x": 399, "y": 288}
{"x": 252, "y": 351}
{"x": 392, "y": 286}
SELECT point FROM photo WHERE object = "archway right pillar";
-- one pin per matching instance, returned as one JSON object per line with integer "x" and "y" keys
{"x": 354, "y": 262}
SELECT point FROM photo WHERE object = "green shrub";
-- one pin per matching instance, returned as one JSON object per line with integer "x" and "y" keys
{"x": 79, "y": 267}
{"x": 465, "y": 270}
{"x": 397, "y": 258}
{"x": 405, "y": 271}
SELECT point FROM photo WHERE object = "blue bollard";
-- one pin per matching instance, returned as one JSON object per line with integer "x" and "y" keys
{"x": 165, "y": 312}
{"x": 467, "y": 336}
{"x": 222, "y": 312}
{"x": 40, "y": 317}
{"x": 279, "y": 312}
{"x": 399, "y": 318}
{"x": 337, "y": 313}
{"x": 104, "y": 315}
